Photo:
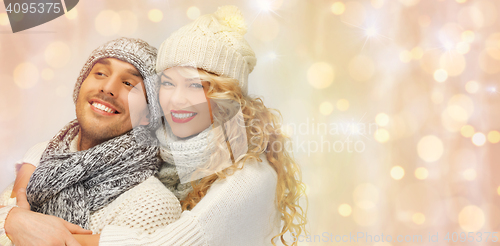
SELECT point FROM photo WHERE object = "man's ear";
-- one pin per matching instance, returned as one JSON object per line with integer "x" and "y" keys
{"x": 144, "y": 120}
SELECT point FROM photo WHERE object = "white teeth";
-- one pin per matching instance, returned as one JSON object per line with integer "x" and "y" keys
{"x": 183, "y": 116}
{"x": 102, "y": 107}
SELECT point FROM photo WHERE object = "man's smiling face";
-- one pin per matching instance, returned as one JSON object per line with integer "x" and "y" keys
{"x": 112, "y": 91}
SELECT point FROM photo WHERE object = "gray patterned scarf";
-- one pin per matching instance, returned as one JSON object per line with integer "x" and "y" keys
{"x": 71, "y": 185}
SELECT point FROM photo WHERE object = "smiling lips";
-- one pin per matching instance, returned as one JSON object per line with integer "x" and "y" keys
{"x": 103, "y": 108}
{"x": 181, "y": 116}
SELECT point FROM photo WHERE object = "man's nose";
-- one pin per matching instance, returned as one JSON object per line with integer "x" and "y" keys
{"x": 110, "y": 86}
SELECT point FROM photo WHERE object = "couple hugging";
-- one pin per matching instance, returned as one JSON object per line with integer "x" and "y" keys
{"x": 167, "y": 148}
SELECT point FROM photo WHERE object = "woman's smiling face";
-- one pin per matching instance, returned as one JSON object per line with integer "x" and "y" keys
{"x": 183, "y": 101}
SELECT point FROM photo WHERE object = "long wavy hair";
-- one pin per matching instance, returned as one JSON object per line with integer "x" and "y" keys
{"x": 262, "y": 134}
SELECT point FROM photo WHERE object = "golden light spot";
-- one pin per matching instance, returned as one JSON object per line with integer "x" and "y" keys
{"x": 409, "y": 3}
{"x": 193, "y": 12}
{"x": 72, "y": 14}
{"x": 354, "y": 13}
{"x": 338, "y": 8}
{"x": 382, "y": 119}
{"x": 378, "y": 3}
{"x": 320, "y": 75}
{"x": 345, "y": 210}
{"x": 498, "y": 190}
{"x": 472, "y": 87}
{"x": 4, "y": 19}
{"x": 487, "y": 63}
{"x": 326, "y": 108}
{"x": 47, "y": 74}
{"x": 397, "y": 172}
{"x": 155, "y": 15}
{"x": 405, "y": 56}
{"x": 418, "y": 218}
{"x": 463, "y": 48}
{"x": 478, "y": 139}
{"x": 493, "y": 46}
{"x": 494, "y": 137}
{"x": 421, "y": 173}
{"x": 440, "y": 75}
{"x": 269, "y": 5}
{"x": 361, "y": 68}
{"x": 417, "y": 53}
{"x": 265, "y": 28}
{"x": 107, "y": 23}
{"x": 430, "y": 148}
{"x": 26, "y": 75}
{"x": 468, "y": 36}
{"x": 366, "y": 196}
{"x": 343, "y": 104}
{"x": 471, "y": 218}
{"x": 467, "y": 131}
{"x": 57, "y": 54}
{"x": 457, "y": 113}
{"x": 469, "y": 174}
{"x": 381, "y": 135}
{"x": 461, "y": 1}
{"x": 129, "y": 23}
{"x": 453, "y": 63}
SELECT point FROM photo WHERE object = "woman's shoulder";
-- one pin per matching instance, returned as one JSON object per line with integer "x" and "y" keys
{"x": 260, "y": 167}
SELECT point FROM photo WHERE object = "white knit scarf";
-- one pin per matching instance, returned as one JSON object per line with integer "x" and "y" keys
{"x": 181, "y": 158}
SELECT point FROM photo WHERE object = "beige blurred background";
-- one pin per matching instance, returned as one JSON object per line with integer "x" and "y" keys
{"x": 392, "y": 105}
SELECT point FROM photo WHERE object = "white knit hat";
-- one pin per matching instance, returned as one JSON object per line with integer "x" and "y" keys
{"x": 214, "y": 43}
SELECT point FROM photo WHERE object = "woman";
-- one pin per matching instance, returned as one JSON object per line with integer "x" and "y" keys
{"x": 255, "y": 200}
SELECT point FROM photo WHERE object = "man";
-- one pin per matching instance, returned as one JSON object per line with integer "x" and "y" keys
{"x": 97, "y": 157}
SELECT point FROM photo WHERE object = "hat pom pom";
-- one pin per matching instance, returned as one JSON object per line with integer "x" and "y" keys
{"x": 231, "y": 16}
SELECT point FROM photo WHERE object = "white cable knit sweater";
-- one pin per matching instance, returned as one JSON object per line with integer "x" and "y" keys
{"x": 146, "y": 207}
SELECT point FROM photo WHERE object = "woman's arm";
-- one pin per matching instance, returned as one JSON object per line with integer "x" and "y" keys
{"x": 22, "y": 178}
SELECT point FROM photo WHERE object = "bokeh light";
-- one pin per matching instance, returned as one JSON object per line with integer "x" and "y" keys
{"x": 468, "y": 36}
{"x": 26, "y": 75}
{"x": 326, "y": 108}
{"x": 381, "y": 135}
{"x": 440, "y": 75}
{"x": 338, "y": 8}
{"x": 107, "y": 23}
{"x": 57, "y": 54}
{"x": 47, "y": 74}
{"x": 366, "y": 196}
{"x": 469, "y": 174}
{"x": 478, "y": 139}
{"x": 382, "y": 119}
{"x": 193, "y": 12}
{"x": 467, "y": 131}
{"x": 343, "y": 104}
{"x": 409, "y": 3}
{"x": 72, "y": 14}
{"x": 430, "y": 148}
{"x": 421, "y": 173}
{"x": 397, "y": 172}
{"x": 4, "y": 19}
{"x": 472, "y": 87}
{"x": 494, "y": 137}
{"x": 155, "y": 15}
{"x": 320, "y": 75}
{"x": 471, "y": 218}
{"x": 345, "y": 210}
{"x": 418, "y": 218}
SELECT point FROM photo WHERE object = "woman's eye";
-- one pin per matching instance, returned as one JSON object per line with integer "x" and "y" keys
{"x": 166, "y": 83}
{"x": 196, "y": 85}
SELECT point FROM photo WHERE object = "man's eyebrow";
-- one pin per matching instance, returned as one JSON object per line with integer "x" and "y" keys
{"x": 104, "y": 62}
{"x": 134, "y": 72}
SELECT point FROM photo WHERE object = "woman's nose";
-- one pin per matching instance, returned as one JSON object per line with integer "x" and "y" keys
{"x": 179, "y": 98}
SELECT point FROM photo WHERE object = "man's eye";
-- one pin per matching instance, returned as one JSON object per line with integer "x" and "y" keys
{"x": 128, "y": 83}
{"x": 100, "y": 74}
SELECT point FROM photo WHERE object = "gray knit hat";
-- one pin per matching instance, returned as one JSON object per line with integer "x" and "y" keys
{"x": 136, "y": 52}
{"x": 214, "y": 43}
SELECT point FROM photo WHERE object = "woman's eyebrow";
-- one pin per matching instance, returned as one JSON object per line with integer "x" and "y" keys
{"x": 163, "y": 75}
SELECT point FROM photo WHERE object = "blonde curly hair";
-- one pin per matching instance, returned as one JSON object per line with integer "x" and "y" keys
{"x": 263, "y": 132}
